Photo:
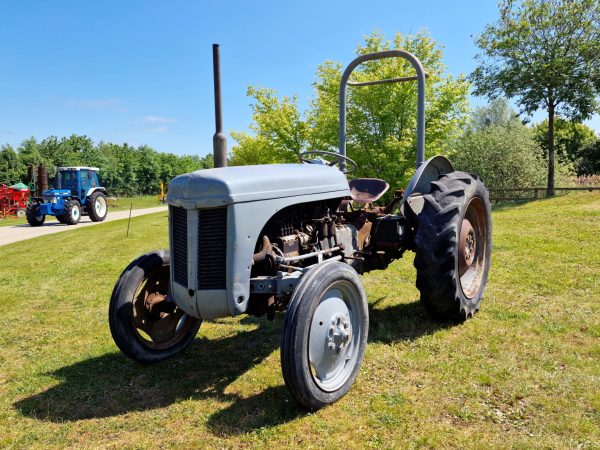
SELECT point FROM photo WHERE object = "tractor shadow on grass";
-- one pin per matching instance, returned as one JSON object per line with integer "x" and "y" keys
{"x": 275, "y": 405}
{"x": 111, "y": 384}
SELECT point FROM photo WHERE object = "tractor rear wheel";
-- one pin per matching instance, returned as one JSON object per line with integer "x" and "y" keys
{"x": 324, "y": 334}
{"x": 145, "y": 322}
{"x": 72, "y": 214}
{"x": 97, "y": 206}
{"x": 453, "y": 245}
{"x": 34, "y": 217}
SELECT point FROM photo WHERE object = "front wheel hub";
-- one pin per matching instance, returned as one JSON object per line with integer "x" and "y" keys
{"x": 339, "y": 333}
{"x": 333, "y": 335}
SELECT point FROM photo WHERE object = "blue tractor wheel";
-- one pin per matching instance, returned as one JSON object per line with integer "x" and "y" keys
{"x": 34, "y": 217}
{"x": 72, "y": 214}
{"x": 97, "y": 206}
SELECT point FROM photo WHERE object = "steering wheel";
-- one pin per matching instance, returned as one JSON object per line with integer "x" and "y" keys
{"x": 337, "y": 156}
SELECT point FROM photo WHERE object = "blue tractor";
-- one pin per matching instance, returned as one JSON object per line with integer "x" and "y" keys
{"x": 77, "y": 191}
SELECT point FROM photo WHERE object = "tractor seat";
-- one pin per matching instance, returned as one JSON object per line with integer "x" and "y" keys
{"x": 367, "y": 190}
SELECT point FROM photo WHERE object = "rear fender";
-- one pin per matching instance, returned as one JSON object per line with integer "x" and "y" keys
{"x": 420, "y": 183}
{"x": 91, "y": 190}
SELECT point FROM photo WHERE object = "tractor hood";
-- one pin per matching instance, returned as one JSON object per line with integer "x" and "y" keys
{"x": 224, "y": 186}
{"x": 56, "y": 193}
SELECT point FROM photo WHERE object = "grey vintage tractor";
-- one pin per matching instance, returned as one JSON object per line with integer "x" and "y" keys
{"x": 294, "y": 238}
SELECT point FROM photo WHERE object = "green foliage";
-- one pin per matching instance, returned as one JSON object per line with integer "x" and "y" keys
{"x": 504, "y": 152}
{"x": 381, "y": 119}
{"x": 589, "y": 163}
{"x": 124, "y": 170}
{"x": 29, "y": 152}
{"x": 11, "y": 167}
{"x": 504, "y": 156}
{"x": 497, "y": 112}
{"x": 544, "y": 53}
{"x": 571, "y": 140}
{"x": 279, "y": 131}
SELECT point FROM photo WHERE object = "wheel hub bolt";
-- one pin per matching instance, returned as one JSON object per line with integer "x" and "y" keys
{"x": 339, "y": 333}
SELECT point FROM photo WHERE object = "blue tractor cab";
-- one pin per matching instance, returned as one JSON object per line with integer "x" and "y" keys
{"x": 77, "y": 191}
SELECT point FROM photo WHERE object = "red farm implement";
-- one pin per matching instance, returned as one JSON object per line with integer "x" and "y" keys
{"x": 13, "y": 200}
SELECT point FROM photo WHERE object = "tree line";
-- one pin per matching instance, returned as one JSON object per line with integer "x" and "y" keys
{"x": 124, "y": 169}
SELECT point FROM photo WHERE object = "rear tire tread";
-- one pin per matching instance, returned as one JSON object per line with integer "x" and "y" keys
{"x": 436, "y": 243}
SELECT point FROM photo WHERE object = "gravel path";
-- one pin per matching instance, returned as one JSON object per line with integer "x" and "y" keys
{"x": 16, "y": 233}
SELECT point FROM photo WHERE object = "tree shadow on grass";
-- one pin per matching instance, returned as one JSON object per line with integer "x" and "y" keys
{"x": 511, "y": 204}
{"x": 111, "y": 384}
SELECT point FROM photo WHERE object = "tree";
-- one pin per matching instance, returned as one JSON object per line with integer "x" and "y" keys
{"x": 148, "y": 170}
{"x": 11, "y": 167}
{"x": 497, "y": 112}
{"x": 29, "y": 152}
{"x": 280, "y": 132}
{"x": 545, "y": 54}
{"x": 500, "y": 149}
{"x": 571, "y": 139}
{"x": 589, "y": 164}
{"x": 381, "y": 119}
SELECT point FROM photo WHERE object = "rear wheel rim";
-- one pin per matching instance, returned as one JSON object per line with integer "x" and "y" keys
{"x": 334, "y": 336}
{"x": 100, "y": 206}
{"x": 158, "y": 322}
{"x": 473, "y": 248}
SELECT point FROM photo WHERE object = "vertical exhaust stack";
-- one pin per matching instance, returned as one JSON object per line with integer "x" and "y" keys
{"x": 219, "y": 139}
{"x": 42, "y": 179}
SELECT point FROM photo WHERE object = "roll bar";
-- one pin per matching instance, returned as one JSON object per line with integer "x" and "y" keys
{"x": 420, "y": 77}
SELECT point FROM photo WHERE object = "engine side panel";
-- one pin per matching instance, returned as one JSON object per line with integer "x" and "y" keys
{"x": 244, "y": 224}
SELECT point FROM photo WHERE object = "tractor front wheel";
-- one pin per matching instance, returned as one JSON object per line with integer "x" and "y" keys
{"x": 453, "y": 245}
{"x": 324, "y": 334}
{"x": 72, "y": 213}
{"x": 97, "y": 207}
{"x": 145, "y": 322}
{"x": 34, "y": 217}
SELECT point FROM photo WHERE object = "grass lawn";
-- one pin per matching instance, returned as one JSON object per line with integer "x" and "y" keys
{"x": 525, "y": 372}
{"x": 123, "y": 203}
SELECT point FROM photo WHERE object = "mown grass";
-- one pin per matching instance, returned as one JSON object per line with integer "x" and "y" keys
{"x": 524, "y": 372}
{"x": 123, "y": 203}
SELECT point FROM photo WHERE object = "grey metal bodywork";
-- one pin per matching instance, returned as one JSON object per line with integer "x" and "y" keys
{"x": 428, "y": 172}
{"x": 252, "y": 195}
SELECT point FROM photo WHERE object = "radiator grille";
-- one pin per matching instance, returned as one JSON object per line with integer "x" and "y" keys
{"x": 212, "y": 248}
{"x": 179, "y": 252}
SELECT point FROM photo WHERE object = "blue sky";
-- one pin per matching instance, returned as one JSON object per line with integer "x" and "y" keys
{"x": 141, "y": 71}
